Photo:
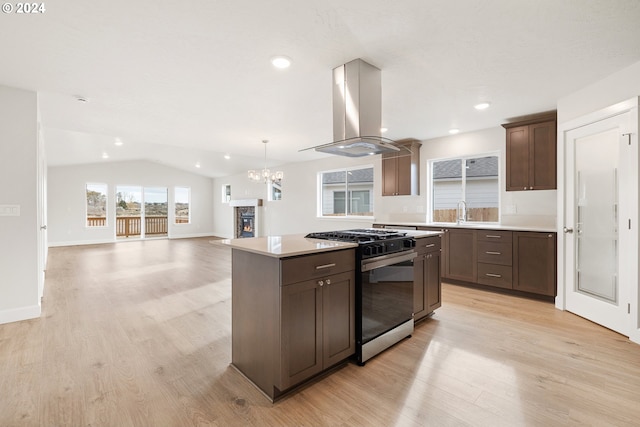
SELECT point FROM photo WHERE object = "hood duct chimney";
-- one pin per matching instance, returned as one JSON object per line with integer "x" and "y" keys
{"x": 357, "y": 112}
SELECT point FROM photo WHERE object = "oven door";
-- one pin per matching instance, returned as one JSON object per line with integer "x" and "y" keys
{"x": 387, "y": 293}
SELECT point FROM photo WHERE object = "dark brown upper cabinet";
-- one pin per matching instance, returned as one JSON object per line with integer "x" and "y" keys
{"x": 531, "y": 153}
{"x": 401, "y": 169}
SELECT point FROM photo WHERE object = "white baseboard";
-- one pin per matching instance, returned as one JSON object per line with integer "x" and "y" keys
{"x": 100, "y": 242}
{"x": 22, "y": 313}
{"x": 80, "y": 242}
{"x": 192, "y": 236}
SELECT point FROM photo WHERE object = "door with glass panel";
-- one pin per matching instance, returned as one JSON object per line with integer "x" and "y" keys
{"x": 141, "y": 212}
{"x": 599, "y": 202}
{"x": 156, "y": 212}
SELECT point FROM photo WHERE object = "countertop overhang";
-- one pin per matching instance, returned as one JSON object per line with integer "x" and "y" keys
{"x": 284, "y": 246}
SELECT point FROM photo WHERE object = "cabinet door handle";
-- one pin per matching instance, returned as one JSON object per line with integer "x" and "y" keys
{"x": 430, "y": 246}
{"x": 493, "y": 253}
{"x": 320, "y": 267}
{"x": 320, "y": 282}
{"x": 492, "y": 236}
{"x": 493, "y": 275}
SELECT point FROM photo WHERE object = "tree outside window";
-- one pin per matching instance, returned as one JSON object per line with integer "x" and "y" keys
{"x": 96, "y": 195}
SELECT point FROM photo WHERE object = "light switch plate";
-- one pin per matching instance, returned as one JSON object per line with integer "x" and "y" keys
{"x": 9, "y": 210}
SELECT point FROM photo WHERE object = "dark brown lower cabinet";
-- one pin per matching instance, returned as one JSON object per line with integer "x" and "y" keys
{"x": 427, "y": 284}
{"x": 291, "y": 318}
{"x": 522, "y": 261}
{"x": 534, "y": 268}
{"x": 461, "y": 260}
{"x": 317, "y": 326}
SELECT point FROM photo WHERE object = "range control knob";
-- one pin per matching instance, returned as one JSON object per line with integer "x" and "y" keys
{"x": 409, "y": 243}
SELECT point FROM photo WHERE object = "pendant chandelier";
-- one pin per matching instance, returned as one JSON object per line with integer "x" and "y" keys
{"x": 265, "y": 174}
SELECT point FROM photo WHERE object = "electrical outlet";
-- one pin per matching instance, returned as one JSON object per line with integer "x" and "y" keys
{"x": 9, "y": 210}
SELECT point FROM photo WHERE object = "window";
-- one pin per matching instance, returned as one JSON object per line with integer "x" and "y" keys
{"x": 472, "y": 180}
{"x": 96, "y": 205}
{"x": 226, "y": 193}
{"x": 182, "y": 198}
{"x": 346, "y": 192}
{"x": 275, "y": 192}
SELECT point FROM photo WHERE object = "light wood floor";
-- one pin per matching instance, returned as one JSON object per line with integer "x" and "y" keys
{"x": 138, "y": 334}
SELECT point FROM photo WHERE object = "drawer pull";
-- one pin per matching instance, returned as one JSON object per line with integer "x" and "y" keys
{"x": 492, "y": 236}
{"x": 493, "y": 275}
{"x": 320, "y": 267}
{"x": 430, "y": 245}
{"x": 493, "y": 253}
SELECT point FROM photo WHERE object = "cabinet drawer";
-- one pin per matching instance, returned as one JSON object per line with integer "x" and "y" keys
{"x": 495, "y": 236}
{"x": 428, "y": 244}
{"x": 495, "y": 252}
{"x": 294, "y": 270}
{"x": 495, "y": 275}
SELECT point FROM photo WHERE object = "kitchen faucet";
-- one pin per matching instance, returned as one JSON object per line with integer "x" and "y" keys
{"x": 461, "y": 212}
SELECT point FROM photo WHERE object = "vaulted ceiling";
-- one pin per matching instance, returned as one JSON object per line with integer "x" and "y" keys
{"x": 182, "y": 83}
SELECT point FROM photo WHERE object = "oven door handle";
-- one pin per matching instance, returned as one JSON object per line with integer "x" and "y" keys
{"x": 386, "y": 260}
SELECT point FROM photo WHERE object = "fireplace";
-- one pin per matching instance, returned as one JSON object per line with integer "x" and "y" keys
{"x": 246, "y": 221}
{"x": 246, "y": 217}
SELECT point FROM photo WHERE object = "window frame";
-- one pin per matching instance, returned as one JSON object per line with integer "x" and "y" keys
{"x": 430, "y": 185}
{"x": 226, "y": 198}
{"x": 346, "y": 191}
{"x": 106, "y": 205}
{"x": 175, "y": 203}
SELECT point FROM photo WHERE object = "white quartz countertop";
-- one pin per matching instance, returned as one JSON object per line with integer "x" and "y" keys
{"x": 285, "y": 246}
{"x": 480, "y": 226}
{"x": 418, "y": 234}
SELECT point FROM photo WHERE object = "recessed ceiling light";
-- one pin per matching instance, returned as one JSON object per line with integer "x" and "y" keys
{"x": 482, "y": 106}
{"x": 281, "y": 61}
{"x": 226, "y": 156}
{"x": 105, "y": 155}
{"x": 383, "y": 130}
{"x": 118, "y": 142}
{"x": 454, "y": 131}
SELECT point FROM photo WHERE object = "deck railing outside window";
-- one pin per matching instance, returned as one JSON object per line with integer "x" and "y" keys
{"x": 131, "y": 225}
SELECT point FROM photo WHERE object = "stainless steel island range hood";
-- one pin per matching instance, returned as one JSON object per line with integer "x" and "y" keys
{"x": 357, "y": 112}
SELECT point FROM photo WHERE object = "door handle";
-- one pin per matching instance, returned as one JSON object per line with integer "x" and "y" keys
{"x": 44, "y": 227}
{"x": 567, "y": 230}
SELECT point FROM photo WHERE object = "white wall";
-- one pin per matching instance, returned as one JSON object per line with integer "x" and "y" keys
{"x": 615, "y": 88}
{"x": 67, "y": 199}
{"x": 297, "y": 211}
{"x": 18, "y": 186}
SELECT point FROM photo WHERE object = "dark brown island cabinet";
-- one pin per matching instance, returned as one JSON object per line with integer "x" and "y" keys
{"x": 427, "y": 294}
{"x": 292, "y": 318}
{"x": 531, "y": 153}
{"x": 401, "y": 169}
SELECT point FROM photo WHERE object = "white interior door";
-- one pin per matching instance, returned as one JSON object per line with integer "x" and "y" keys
{"x": 42, "y": 214}
{"x": 601, "y": 193}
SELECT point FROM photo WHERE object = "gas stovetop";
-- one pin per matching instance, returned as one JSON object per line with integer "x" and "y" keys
{"x": 360, "y": 235}
{"x": 371, "y": 241}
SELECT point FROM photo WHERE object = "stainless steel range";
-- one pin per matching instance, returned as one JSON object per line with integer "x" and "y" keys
{"x": 384, "y": 287}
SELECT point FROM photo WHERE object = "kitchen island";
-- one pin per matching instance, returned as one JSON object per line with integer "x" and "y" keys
{"x": 293, "y": 309}
{"x": 294, "y": 304}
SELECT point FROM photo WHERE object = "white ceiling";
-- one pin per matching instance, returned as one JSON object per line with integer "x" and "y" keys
{"x": 184, "y": 82}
